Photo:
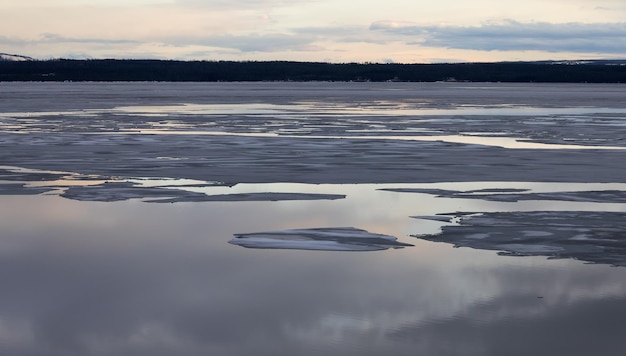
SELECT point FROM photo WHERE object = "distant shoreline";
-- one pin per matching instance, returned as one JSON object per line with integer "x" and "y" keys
{"x": 600, "y": 71}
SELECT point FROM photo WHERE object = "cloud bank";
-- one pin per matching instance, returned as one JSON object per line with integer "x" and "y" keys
{"x": 315, "y": 30}
{"x": 511, "y": 35}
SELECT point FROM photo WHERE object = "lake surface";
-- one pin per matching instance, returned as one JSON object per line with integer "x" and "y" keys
{"x": 312, "y": 218}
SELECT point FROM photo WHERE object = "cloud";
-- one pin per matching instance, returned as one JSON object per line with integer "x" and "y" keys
{"x": 248, "y": 42}
{"x": 297, "y": 39}
{"x": 241, "y": 43}
{"x": 10, "y": 40}
{"x": 241, "y": 4}
{"x": 341, "y": 34}
{"x": 51, "y": 38}
{"x": 54, "y": 38}
{"x": 511, "y": 35}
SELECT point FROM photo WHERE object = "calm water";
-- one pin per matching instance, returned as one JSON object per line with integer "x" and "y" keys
{"x": 104, "y": 272}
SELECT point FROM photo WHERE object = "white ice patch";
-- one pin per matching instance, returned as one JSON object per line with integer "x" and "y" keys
{"x": 529, "y": 233}
{"x": 477, "y": 236}
{"x": 328, "y": 239}
{"x": 580, "y": 237}
{"x": 530, "y": 249}
{"x": 443, "y": 218}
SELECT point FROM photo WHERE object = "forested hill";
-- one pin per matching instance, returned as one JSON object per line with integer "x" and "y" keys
{"x": 160, "y": 70}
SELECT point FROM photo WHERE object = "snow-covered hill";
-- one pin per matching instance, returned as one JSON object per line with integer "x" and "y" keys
{"x": 14, "y": 57}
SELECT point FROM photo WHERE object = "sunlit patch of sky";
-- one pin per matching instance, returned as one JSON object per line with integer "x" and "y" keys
{"x": 315, "y": 30}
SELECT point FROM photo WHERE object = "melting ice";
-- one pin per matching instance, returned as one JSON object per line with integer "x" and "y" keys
{"x": 330, "y": 239}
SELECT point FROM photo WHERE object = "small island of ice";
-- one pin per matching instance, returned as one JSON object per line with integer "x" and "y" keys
{"x": 329, "y": 239}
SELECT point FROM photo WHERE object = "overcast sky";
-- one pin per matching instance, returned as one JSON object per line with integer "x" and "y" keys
{"x": 404, "y": 31}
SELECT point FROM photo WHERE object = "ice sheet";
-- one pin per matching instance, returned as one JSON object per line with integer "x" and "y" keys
{"x": 319, "y": 132}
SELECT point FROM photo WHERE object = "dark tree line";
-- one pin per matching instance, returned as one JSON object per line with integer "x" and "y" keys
{"x": 203, "y": 71}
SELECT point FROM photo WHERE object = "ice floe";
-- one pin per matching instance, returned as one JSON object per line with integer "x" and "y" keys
{"x": 16, "y": 180}
{"x": 116, "y": 191}
{"x": 268, "y": 196}
{"x": 596, "y": 237}
{"x": 514, "y": 195}
{"x": 20, "y": 189}
{"x": 329, "y": 239}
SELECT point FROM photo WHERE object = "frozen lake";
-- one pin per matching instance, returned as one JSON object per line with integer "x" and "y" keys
{"x": 312, "y": 218}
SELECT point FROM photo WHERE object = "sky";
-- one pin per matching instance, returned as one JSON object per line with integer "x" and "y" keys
{"x": 338, "y": 31}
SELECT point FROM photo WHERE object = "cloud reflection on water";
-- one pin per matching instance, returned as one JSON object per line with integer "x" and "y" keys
{"x": 155, "y": 279}
{"x": 132, "y": 278}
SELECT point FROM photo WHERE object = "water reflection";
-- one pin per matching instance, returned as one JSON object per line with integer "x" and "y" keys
{"x": 130, "y": 278}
